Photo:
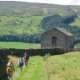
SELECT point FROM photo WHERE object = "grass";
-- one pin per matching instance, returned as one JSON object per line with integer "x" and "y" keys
{"x": 23, "y": 9}
{"x": 19, "y": 45}
{"x": 34, "y": 71}
{"x": 76, "y": 22}
{"x": 18, "y": 25}
{"x": 64, "y": 67}
{"x": 77, "y": 45}
{"x": 56, "y": 67}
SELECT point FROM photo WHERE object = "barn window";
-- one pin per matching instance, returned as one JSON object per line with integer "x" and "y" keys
{"x": 54, "y": 41}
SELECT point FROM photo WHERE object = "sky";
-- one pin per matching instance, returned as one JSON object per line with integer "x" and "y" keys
{"x": 61, "y": 2}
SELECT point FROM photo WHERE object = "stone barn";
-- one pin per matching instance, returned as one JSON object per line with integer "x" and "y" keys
{"x": 57, "y": 38}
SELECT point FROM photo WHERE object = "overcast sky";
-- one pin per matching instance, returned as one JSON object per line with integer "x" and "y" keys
{"x": 62, "y": 2}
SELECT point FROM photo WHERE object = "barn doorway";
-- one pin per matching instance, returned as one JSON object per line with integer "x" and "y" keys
{"x": 54, "y": 41}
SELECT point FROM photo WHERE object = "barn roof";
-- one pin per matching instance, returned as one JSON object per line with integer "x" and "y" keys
{"x": 63, "y": 30}
{"x": 66, "y": 32}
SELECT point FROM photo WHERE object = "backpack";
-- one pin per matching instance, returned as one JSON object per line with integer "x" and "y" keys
{"x": 26, "y": 56}
{"x": 8, "y": 70}
{"x": 20, "y": 62}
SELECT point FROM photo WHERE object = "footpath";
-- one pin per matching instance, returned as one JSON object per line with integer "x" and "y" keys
{"x": 35, "y": 70}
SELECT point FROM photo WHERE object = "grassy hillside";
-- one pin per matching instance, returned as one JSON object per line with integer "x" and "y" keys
{"x": 23, "y": 9}
{"x": 56, "y": 67}
{"x": 64, "y": 67}
{"x": 76, "y": 22}
{"x": 10, "y": 25}
{"x": 25, "y": 18}
{"x": 22, "y": 21}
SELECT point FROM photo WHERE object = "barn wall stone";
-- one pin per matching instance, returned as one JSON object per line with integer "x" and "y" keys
{"x": 63, "y": 41}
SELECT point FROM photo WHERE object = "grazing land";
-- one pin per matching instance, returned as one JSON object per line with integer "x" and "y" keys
{"x": 57, "y": 67}
{"x": 19, "y": 45}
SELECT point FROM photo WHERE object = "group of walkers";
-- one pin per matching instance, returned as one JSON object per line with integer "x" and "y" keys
{"x": 21, "y": 62}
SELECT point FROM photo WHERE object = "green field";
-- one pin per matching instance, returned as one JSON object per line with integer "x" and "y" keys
{"x": 56, "y": 67}
{"x": 19, "y": 45}
{"x": 76, "y": 22}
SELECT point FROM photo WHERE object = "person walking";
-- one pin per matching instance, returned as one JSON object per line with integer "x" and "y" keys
{"x": 10, "y": 69}
{"x": 20, "y": 63}
{"x": 26, "y": 58}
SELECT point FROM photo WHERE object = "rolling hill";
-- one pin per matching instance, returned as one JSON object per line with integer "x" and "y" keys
{"x": 24, "y": 9}
{"x": 22, "y": 21}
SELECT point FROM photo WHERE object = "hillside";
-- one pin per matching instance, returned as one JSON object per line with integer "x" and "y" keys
{"x": 23, "y": 9}
{"x": 76, "y": 22}
{"x": 17, "y": 25}
{"x": 26, "y": 22}
{"x": 56, "y": 67}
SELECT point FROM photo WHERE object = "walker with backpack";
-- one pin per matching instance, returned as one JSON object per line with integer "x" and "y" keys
{"x": 10, "y": 69}
{"x": 26, "y": 58}
{"x": 21, "y": 63}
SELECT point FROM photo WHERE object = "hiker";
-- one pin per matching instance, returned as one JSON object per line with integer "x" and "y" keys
{"x": 10, "y": 69}
{"x": 9, "y": 73}
{"x": 20, "y": 63}
{"x": 26, "y": 58}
